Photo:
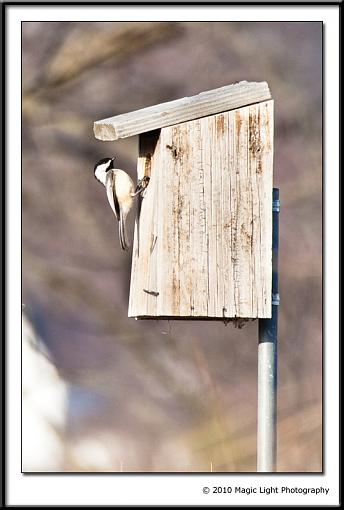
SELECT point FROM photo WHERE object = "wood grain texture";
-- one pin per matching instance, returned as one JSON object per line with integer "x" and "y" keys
{"x": 181, "y": 110}
{"x": 202, "y": 244}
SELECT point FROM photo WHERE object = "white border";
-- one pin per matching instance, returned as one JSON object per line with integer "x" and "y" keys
{"x": 169, "y": 489}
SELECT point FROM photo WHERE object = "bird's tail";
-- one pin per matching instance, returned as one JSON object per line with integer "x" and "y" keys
{"x": 122, "y": 232}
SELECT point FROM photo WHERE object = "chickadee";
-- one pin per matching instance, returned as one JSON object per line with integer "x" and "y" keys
{"x": 120, "y": 191}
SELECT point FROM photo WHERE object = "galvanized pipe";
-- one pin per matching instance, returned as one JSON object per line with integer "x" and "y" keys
{"x": 267, "y": 364}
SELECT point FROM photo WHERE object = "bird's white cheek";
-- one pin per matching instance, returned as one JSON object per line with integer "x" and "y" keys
{"x": 100, "y": 173}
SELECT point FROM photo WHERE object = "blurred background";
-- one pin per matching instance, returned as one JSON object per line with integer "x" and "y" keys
{"x": 102, "y": 392}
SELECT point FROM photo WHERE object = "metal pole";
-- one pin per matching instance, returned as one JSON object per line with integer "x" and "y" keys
{"x": 267, "y": 363}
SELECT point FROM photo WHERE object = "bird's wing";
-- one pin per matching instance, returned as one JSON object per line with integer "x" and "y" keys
{"x": 110, "y": 185}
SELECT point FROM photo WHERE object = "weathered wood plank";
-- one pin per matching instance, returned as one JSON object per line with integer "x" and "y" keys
{"x": 144, "y": 254}
{"x": 208, "y": 212}
{"x": 162, "y": 115}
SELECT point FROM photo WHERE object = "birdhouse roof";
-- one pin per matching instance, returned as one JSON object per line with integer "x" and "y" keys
{"x": 162, "y": 115}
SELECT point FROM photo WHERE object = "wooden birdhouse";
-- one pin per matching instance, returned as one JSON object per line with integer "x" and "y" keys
{"x": 202, "y": 241}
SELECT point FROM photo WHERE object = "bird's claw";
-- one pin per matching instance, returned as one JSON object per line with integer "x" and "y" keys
{"x": 141, "y": 186}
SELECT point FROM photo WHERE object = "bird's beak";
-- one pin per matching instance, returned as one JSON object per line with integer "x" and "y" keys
{"x": 113, "y": 159}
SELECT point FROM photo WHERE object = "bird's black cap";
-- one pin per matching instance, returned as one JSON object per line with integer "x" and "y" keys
{"x": 105, "y": 160}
